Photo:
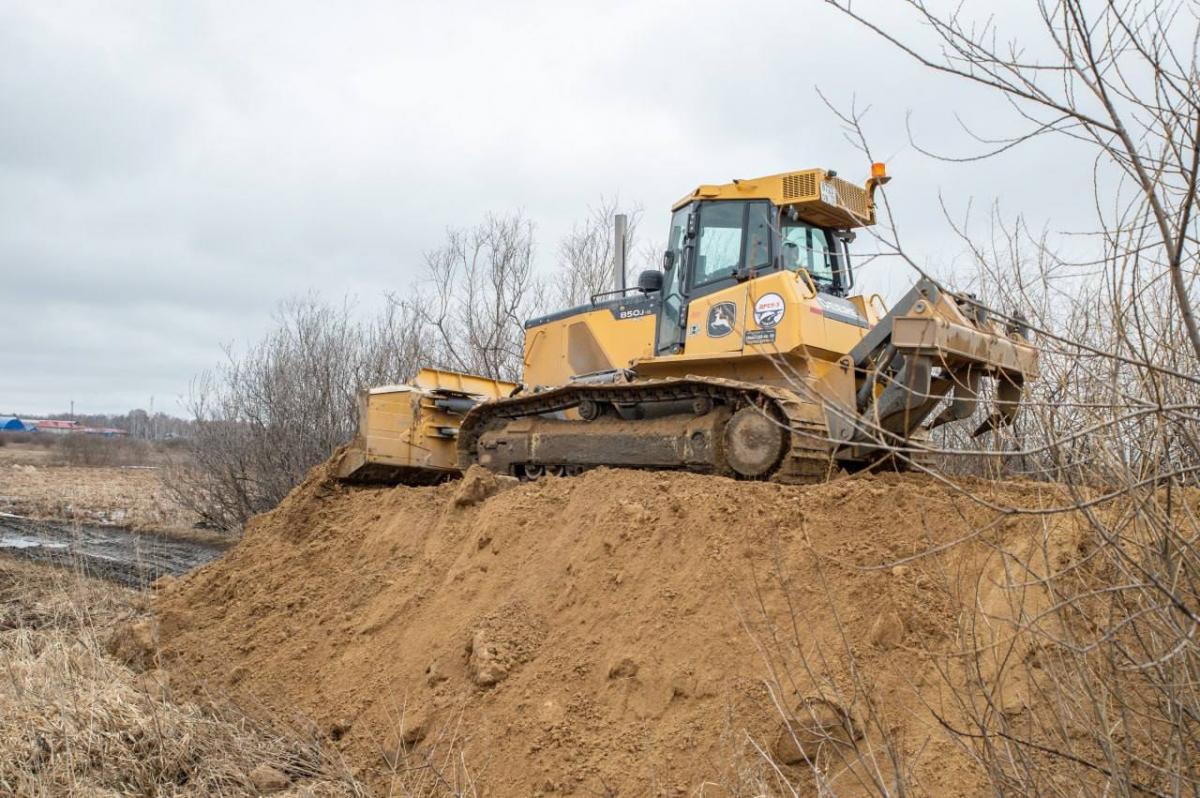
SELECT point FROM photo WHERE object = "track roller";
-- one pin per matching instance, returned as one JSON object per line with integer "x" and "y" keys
{"x": 754, "y": 442}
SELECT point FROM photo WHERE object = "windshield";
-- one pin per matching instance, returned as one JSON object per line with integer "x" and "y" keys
{"x": 811, "y": 248}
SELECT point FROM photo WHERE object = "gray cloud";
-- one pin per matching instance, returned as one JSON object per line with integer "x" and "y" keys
{"x": 169, "y": 173}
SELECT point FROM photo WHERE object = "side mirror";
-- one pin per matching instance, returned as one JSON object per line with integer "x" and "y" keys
{"x": 668, "y": 262}
{"x": 650, "y": 280}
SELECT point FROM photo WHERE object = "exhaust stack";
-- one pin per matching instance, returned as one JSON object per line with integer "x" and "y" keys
{"x": 620, "y": 222}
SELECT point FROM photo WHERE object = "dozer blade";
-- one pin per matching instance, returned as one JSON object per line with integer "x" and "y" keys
{"x": 406, "y": 433}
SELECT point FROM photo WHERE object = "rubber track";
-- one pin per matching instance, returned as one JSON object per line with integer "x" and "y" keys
{"x": 808, "y": 459}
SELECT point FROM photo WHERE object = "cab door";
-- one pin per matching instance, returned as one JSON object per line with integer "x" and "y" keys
{"x": 672, "y": 316}
{"x": 733, "y": 247}
{"x": 722, "y": 244}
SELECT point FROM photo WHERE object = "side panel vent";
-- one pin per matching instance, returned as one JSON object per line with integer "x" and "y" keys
{"x": 799, "y": 185}
{"x": 851, "y": 197}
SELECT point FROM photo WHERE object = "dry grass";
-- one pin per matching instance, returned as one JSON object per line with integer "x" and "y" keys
{"x": 42, "y": 448}
{"x": 96, "y": 450}
{"x": 75, "y": 721}
{"x": 34, "y": 452}
{"x": 130, "y": 497}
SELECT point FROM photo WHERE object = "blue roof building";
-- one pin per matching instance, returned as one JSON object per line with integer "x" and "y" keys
{"x": 14, "y": 424}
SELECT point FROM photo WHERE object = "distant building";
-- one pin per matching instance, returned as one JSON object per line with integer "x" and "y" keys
{"x": 54, "y": 426}
{"x": 107, "y": 432}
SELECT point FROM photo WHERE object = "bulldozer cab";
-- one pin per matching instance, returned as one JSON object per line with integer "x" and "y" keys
{"x": 716, "y": 244}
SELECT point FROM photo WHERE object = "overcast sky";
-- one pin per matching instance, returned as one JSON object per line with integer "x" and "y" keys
{"x": 170, "y": 172}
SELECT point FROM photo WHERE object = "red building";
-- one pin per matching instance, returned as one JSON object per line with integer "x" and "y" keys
{"x": 55, "y": 426}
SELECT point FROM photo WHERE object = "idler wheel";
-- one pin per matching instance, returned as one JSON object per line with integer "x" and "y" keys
{"x": 754, "y": 442}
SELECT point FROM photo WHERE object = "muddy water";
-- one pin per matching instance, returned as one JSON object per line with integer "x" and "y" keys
{"x": 131, "y": 558}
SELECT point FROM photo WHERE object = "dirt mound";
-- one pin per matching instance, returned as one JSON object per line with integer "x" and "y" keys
{"x": 615, "y": 633}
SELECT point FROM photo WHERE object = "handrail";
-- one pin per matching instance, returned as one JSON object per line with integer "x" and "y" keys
{"x": 812, "y": 284}
{"x": 876, "y": 299}
{"x": 621, "y": 291}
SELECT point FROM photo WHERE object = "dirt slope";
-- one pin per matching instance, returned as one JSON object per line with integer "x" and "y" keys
{"x": 614, "y": 633}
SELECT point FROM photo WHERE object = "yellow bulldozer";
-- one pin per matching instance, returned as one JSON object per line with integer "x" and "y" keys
{"x": 748, "y": 354}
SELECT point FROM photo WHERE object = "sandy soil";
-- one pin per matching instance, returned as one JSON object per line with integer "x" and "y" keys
{"x": 622, "y": 632}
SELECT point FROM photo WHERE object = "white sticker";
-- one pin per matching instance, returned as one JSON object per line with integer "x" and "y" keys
{"x": 829, "y": 194}
{"x": 769, "y": 310}
{"x": 840, "y": 309}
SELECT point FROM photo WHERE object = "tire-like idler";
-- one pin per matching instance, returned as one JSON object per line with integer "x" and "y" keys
{"x": 754, "y": 442}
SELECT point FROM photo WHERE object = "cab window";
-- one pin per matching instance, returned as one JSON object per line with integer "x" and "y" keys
{"x": 808, "y": 247}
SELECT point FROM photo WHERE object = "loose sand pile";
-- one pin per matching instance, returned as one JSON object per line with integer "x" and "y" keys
{"x": 615, "y": 633}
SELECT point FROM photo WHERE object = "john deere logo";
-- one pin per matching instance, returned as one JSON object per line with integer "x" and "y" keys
{"x": 721, "y": 318}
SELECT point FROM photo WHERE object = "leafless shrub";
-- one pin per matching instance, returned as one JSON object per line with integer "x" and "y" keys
{"x": 280, "y": 407}
{"x": 39, "y": 439}
{"x": 1102, "y": 610}
{"x": 1084, "y": 673}
{"x": 283, "y": 405}
{"x": 587, "y": 254}
{"x": 480, "y": 289}
{"x": 79, "y": 449}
